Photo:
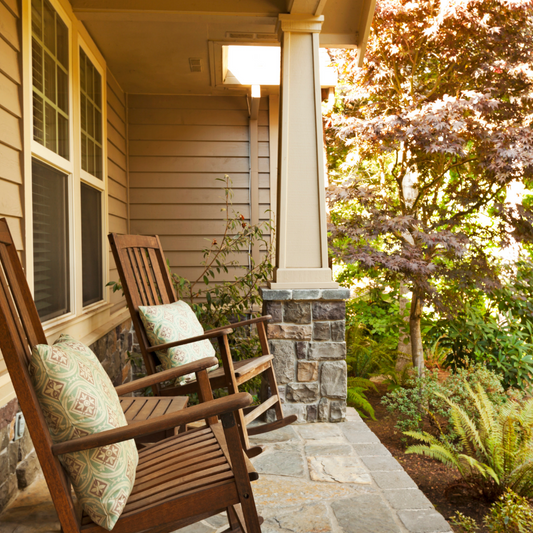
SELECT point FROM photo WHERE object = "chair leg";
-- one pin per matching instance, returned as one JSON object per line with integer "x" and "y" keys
{"x": 272, "y": 383}
{"x": 233, "y": 388}
{"x": 253, "y": 451}
{"x": 247, "y": 513}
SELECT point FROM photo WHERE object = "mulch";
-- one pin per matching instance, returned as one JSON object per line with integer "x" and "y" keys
{"x": 442, "y": 485}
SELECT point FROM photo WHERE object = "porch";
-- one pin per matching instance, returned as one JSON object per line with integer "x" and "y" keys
{"x": 314, "y": 478}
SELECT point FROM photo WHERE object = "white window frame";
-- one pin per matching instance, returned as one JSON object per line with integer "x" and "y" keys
{"x": 78, "y": 38}
{"x": 89, "y": 179}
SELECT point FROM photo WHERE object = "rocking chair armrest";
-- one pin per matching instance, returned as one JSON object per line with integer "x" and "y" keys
{"x": 211, "y": 334}
{"x": 233, "y": 325}
{"x": 218, "y": 407}
{"x": 165, "y": 375}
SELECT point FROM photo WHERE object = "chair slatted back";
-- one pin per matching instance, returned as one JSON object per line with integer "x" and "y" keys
{"x": 145, "y": 281}
{"x": 20, "y": 331}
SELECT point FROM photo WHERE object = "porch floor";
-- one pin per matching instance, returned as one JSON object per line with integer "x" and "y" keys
{"x": 315, "y": 478}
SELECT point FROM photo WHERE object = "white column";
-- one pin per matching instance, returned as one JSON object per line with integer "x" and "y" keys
{"x": 301, "y": 239}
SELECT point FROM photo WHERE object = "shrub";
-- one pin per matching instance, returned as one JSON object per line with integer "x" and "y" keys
{"x": 510, "y": 514}
{"x": 498, "y": 342}
{"x": 465, "y": 524}
{"x": 423, "y": 398}
{"x": 496, "y": 446}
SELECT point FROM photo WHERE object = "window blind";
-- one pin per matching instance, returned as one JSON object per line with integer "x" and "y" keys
{"x": 50, "y": 241}
{"x": 91, "y": 244}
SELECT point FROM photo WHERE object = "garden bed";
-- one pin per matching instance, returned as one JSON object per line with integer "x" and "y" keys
{"x": 443, "y": 486}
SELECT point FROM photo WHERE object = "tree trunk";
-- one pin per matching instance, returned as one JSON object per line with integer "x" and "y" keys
{"x": 404, "y": 341}
{"x": 417, "y": 304}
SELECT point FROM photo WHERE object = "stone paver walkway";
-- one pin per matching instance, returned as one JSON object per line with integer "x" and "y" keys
{"x": 314, "y": 478}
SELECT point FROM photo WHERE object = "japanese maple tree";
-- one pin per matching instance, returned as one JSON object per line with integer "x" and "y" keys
{"x": 424, "y": 141}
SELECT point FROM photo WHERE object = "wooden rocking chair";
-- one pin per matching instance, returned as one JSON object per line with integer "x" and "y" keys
{"x": 180, "y": 480}
{"x": 146, "y": 281}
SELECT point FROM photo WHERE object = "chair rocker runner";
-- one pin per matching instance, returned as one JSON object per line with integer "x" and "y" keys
{"x": 180, "y": 480}
{"x": 146, "y": 282}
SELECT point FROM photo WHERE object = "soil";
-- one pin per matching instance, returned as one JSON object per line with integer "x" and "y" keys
{"x": 442, "y": 485}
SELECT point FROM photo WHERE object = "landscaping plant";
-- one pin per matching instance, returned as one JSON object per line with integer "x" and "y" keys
{"x": 510, "y": 514}
{"x": 356, "y": 396}
{"x": 219, "y": 303}
{"x": 497, "y": 341}
{"x": 364, "y": 355}
{"x": 496, "y": 445}
{"x": 496, "y": 330}
{"x": 427, "y": 399}
{"x": 464, "y": 524}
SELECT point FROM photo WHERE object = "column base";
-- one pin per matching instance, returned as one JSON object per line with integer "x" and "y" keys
{"x": 303, "y": 278}
{"x": 306, "y": 337}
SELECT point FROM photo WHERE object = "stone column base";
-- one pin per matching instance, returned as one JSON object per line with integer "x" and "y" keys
{"x": 306, "y": 337}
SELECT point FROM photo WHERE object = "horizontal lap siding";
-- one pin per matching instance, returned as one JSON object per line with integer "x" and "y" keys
{"x": 117, "y": 173}
{"x": 178, "y": 147}
{"x": 11, "y": 165}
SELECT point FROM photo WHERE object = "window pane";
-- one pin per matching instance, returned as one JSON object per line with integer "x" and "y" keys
{"x": 62, "y": 136}
{"x": 50, "y": 241}
{"x": 50, "y": 78}
{"x": 89, "y": 87}
{"x": 91, "y": 117}
{"x": 62, "y": 90}
{"x": 37, "y": 65}
{"x": 38, "y": 119}
{"x": 37, "y": 18}
{"x": 62, "y": 42}
{"x": 49, "y": 27}
{"x": 98, "y": 161}
{"x": 91, "y": 242}
{"x": 50, "y": 127}
{"x": 84, "y": 163}
{"x": 97, "y": 89}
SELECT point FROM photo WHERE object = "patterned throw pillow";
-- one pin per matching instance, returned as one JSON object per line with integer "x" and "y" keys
{"x": 78, "y": 399}
{"x": 174, "y": 322}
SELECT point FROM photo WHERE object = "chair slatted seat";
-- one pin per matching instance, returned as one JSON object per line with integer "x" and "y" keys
{"x": 179, "y": 480}
{"x": 146, "y": 282}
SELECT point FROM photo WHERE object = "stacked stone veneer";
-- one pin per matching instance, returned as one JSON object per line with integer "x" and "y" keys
{"x": 18, "y": 462}
{"x": 306, "y": 337}
{"x": 112, "y": 351}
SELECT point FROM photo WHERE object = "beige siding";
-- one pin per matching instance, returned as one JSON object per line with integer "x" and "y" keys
{"x": 11, "y": 169}
{"x": 178, "y": 147}
{"x": 117, "y": 172}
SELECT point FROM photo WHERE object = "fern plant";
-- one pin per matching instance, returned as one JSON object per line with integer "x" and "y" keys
{"x": 496, "y": 446}
{"x": 356, "y": 396}
{"x": 364, "y": 355}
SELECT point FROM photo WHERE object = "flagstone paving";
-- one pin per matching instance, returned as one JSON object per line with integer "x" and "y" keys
{"x": 314, "y": 478}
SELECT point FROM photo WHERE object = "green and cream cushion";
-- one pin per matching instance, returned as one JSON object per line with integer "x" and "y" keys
{"x": 174, "y": 322}
{"x": 77, "y": 399}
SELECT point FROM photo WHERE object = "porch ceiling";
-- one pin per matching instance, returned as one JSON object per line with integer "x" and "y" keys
{"x": 148, "y": 43}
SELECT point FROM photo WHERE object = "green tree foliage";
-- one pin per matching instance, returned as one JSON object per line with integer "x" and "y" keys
{"x": 424, "y": 142}
{"x": 496, "y": 445}
{"x": 497, "y": 330}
